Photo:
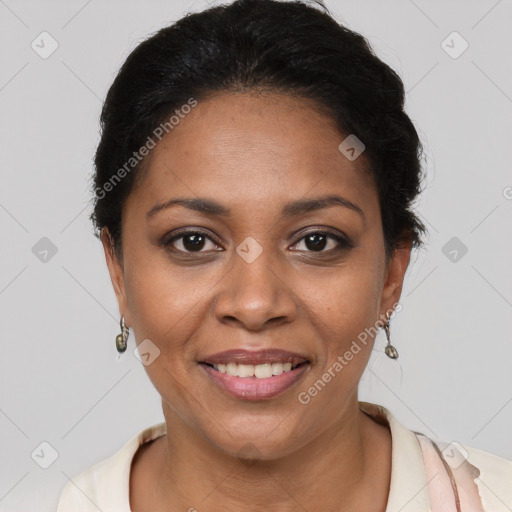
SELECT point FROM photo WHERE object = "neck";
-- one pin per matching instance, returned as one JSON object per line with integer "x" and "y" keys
{"x": 347, "y": 467}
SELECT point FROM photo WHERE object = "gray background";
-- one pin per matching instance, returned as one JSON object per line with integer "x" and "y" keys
{"x": 61, "y": 380}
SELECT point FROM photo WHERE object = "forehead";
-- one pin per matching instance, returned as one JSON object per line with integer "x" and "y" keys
{"x": 244, "y": 147}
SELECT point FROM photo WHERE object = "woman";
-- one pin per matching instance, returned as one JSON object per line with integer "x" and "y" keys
{"x": 253, "y": 194}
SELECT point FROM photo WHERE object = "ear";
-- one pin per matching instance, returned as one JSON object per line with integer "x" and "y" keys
{"x": 115, "y": 268}
{"x": 394, "y": 278}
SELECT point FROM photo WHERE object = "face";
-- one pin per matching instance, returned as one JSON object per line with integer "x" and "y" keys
{"x": 252, "y": 244}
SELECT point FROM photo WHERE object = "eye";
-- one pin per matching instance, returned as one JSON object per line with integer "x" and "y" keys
{"x": 321, "y": 241}
{"x": 191, "y": 241}
{"x": 196, "y": 241}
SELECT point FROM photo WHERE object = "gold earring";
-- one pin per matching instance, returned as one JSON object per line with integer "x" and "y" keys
{"x": 122, "y": 339}
{"x": 390, "y": 351}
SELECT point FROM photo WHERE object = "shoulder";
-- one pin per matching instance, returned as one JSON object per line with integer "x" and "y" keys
{"x": 494, "y": 480}
{"x": 482, "y": 479}
{"x": 488, "y": 474}
{"x": 105, "y": 485}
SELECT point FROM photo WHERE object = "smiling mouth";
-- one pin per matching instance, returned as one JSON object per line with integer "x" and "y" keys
{"x": 258, "y": 371}
{"x": 255, "y": 374}
{"x": 256, "y": 382}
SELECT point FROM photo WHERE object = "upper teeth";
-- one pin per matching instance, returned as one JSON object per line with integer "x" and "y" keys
{"x": 260, "y": 371}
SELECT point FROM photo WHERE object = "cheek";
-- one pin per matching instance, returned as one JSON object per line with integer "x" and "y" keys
{"x": 167, "y": 306}
{"x": 165, "y": 309}
{"x": 343, "y": 315}
{"x": 343, "y": 307}
{"x": 163, "y": 304}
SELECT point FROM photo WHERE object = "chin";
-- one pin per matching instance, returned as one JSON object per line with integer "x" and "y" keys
{"x": 254, "y": 437}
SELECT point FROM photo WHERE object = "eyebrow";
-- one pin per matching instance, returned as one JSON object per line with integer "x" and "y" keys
{"x": 296, "y": 208}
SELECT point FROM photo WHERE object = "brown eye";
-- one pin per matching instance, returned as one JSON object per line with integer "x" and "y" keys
{"x": 316, "y": 242}
{"x": 194, "y": 242}
{"x": 320, "y": 241}
{"x": 191, "y": 241}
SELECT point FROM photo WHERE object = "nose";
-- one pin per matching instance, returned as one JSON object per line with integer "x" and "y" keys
{"x": 255, "y": 295}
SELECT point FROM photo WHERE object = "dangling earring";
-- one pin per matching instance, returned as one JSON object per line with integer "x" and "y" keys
{"x": 121, "y": 339}
{"x": 390, "y": 351}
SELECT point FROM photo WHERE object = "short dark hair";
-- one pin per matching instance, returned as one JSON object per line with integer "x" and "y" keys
{"x": 249, "y": 45}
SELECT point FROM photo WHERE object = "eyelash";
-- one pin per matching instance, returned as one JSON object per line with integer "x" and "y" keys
{"x": 343, "y": 243}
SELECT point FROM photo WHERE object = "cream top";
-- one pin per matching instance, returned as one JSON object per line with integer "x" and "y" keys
{"x": 105, "y": 485}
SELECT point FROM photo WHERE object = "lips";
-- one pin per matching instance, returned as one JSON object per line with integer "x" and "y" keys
{"x": 255, "y": 375}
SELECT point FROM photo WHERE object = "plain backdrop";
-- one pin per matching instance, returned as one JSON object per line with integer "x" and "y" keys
{"x": 61, "y": 379}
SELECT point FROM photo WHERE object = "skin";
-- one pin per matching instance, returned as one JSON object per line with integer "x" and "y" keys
{"x": 254, "y": 153}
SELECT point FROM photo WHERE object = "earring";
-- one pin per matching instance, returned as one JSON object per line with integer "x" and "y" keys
{"x": 390, "y": 351}
{"x": 121, "y": 339}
